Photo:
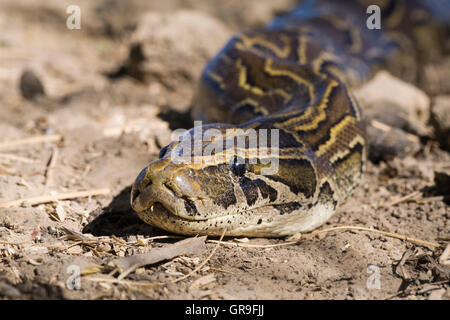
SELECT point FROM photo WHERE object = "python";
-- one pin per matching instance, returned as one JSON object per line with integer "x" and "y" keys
{"x": 295, "y": 75}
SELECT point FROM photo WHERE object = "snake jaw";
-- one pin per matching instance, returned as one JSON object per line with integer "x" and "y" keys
{"x": 162, "y": 190}
{"x": 143, "y": 192}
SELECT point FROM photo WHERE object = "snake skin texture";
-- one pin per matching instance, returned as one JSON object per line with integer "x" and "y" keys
{"x": 293, "y": 76}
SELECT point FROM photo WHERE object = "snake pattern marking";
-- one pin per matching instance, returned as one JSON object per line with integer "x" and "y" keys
{"x": 294, "y": 75}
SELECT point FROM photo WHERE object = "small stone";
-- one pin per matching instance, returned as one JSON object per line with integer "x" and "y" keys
{"x": 140, "y": 271}
{"x": 436, "y": 294}
{"x": 388, "y": 113}
{"x": 447, "y": 294}
{"x": 129, "y": 252}
{"x": 389, "y": 90}
{"x": 103, "y": 247}
{"x": 120, "y": 253}
{"x": 441, "y": 184}
{"x": 7, "y": 290}
{"x": 30, "y": 85}
{"x": 386, "y": 143}
{"x": 172, "y": 49}
{"x": 427, "y": 288}
{"x": 51, "y": 230}
{"x": 185, "y": 270}
{"x": 60, "y": 212}
{"x": 76, "y": 250}
{"x": 440, "y": 120}
{"x": 424, "y": 277}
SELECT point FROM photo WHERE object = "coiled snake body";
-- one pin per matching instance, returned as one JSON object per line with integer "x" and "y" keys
{"x": 295, "y": 76}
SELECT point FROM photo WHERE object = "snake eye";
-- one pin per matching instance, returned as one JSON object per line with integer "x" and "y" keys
{"x": 238, "y": 167}
{"x": 163, "y": 151}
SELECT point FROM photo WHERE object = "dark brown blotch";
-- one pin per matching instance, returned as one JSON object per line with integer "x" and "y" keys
{"x": 190, "y": 207}
{"x": 250, "y": 189}
{"x": 298, "y": 175}
{"x": 288, "y": 207}
{"x": 326, "y": 195}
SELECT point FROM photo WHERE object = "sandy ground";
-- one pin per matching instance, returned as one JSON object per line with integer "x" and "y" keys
{"x": 107, "y": 125}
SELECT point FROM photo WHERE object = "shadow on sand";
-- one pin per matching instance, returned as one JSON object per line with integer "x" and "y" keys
{"x": 119, "y": 219}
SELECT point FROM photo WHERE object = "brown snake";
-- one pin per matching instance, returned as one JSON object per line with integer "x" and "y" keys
{"x": 290, "y": 80}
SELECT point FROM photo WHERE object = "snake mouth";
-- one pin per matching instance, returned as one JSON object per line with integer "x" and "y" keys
{"x": 157, "y": 210}
{"x": 254, "y": 222}
{"x": 162, "y": 199}
{"x": 163, "y": 209}
{"x": 157, "y": 201}
{"x": 146, "y": 198}
{"x": 162, "y": 202}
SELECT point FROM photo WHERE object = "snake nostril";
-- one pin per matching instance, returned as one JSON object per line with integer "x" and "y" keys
{"x": 134, "y": 194}
{"x": 142, "y": 181}
{"x": 170, "y": 187}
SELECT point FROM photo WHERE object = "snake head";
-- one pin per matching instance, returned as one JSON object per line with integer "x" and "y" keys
{"x": 217, "y": 177}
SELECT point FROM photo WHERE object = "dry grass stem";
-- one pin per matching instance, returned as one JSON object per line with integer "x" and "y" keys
{"x": 27, "y": 141}
{"x": 52, "y": 198}
{"x": 33, "y": 236}
{"x": 50, "y": 167}
{"x": 342, "y": 228}
{"x": 204, "y": 262}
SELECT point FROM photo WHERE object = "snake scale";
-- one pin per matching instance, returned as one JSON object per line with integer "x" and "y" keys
{"x": 294, "y": 75}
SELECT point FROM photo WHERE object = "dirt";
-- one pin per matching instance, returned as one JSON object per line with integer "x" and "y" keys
{"x": 113, "y": 123}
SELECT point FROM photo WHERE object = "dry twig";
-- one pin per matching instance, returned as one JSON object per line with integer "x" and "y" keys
{"x": 408, "y": 197}
{"x": 387, "y": 234}
{"x": 52, "y": 198}
{"x": 184, "y": 247}
{"x": 33, "y": 236}
{"x": 124, "y": 282}
{"x": 50, "y": 166}
{"x": 12, "y": 157}
{"x": 204, "y": 262}
{"x": 312, "y": 234}
{"x": 31, "y": 140}
{"x": 409, "y": 291}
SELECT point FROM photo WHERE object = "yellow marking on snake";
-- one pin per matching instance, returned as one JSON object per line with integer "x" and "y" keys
{"x": 343, "y": 153}
{"x": 256, "y": 90}
{"x": 274, "y": 72}
{"x": 280, "y": 52}
{"x": 310, "y": 111}
{"x": 302, "y": 49}
{"x": 243, "y": 79}
{"x": 257, "y": 107}
{"x": 334, "y": 132}
{"x": 324, "y": 57}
